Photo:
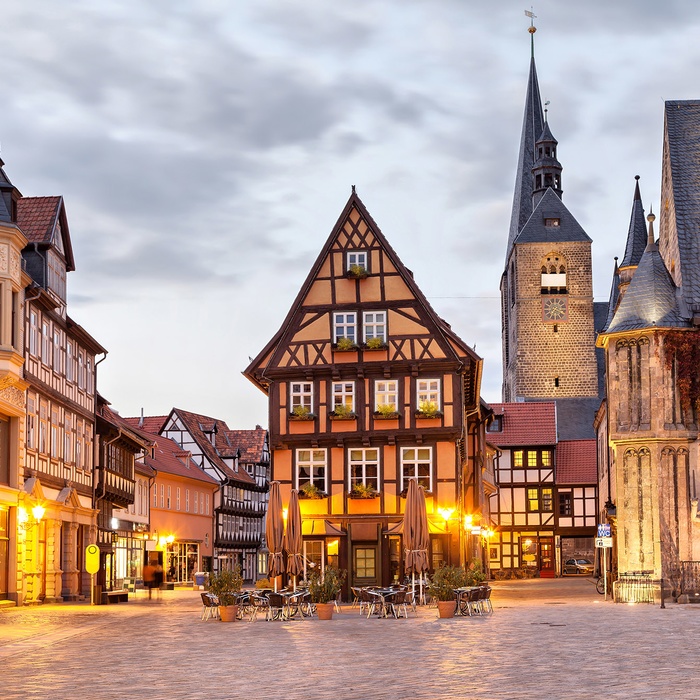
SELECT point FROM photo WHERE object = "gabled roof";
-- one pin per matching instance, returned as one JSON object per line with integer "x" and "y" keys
{"x": 577, "y": 462}
{"x": 250, "y": 444}
{"x": 533, "y": 126}
{"x": 525, "y": 424}
{"x": 140, "y": 439}
{"x": 650, "y": 300}
{"x": 681, "y": 191}
{"x": 201, "y": 427}
{"x": 637, "y": 233}
{"x": 450, "y": 344}
{"x": 149, "y": 424}
{"x": 551, "y": 207}
{"x": 40, "y": 219}
{"x": 170, "y": 458}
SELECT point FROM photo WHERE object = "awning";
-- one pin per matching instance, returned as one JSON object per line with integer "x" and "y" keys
{"x": 320, "y": 528}
{"x": 397, "y": 528}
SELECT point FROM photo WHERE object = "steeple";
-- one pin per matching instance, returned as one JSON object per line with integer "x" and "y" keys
{"x": 636, "y": 240}
{"x": 614, "y": 296}
{"x": 533, "y": 126}
{"x": 546, "y": 172}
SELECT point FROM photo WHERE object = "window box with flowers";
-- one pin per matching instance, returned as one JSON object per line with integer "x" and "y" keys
{"x": 357, "y": 272}
{"x": 342, "y": 412}
{"x": 311, "y": 491}
{"x": 428, "y": 409}
{"x": 301, "y": 413}
{"x": 386, "y": 411}
{"x": 345, "y": 345}
{"x": 375, "y": 344}
{"x": 361, "y": 490}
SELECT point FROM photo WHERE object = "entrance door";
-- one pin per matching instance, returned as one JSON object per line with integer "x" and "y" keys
{"x": 547, "y": 556}
{"x": 365, "y": 568}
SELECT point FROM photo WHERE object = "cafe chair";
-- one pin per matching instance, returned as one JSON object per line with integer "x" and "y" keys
{"x": 210, "y": 606}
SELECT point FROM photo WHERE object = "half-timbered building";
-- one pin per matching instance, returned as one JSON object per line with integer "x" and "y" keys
{"x": 369, "y": 388}
{"x": 59, "y": 369}
{"x": 240, "y": 502}
{"x": 545, "y": 507}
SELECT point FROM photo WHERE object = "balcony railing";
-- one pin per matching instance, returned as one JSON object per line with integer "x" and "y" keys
{"x": 115, "y": 487}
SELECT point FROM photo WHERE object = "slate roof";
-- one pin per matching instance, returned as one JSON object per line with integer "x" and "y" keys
{"x": 637, "y": 233}
{"x": 525, "y": 424}
{"x": 575, "y": 416}
{"x": 600, "y": 315}
{"x": 550, "y": 206}
{"x": 6, "y": 189}
{"x": 170, "y": 458}
{"x": 650, "y": 300}
{"x": 576, "y": 462}
{"x": 611, "y": 306}
{"x": 533, "y": 125}
{"x": 682, "y": 162}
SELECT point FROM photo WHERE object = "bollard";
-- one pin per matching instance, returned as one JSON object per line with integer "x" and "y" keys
{"x": 663, "y": 605}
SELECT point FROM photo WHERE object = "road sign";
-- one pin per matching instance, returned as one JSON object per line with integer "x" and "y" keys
{"x": 92, "y": 558}
{"x": 603, "y": 530}
{"x": 603, "y": 542}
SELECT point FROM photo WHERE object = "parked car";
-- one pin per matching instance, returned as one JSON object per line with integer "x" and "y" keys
{"x": 579, "y": 566}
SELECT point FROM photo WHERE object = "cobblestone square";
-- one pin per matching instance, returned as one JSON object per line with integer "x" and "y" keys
{"x": 546, "y": 639}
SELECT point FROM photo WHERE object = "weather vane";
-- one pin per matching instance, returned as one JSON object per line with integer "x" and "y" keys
{"x": 532, "y": 28}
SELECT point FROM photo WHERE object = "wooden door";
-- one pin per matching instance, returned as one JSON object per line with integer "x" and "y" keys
{"x": 547, "y": 556}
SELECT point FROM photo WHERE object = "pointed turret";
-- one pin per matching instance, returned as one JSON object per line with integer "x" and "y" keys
{"x": 533, "y": 126}
{"x": 9, "y": 195}
{"x": 651, "y": 300}
{"x": 614, "y": 296}
{"x": 636, "y": 241}
{"x": 546, "y": 172}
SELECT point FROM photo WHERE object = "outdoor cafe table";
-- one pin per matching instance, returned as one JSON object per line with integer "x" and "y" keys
{"x": 462, "y": 596}
{"x": 383, "y": 594}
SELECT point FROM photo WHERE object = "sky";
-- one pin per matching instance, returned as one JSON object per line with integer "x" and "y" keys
{"x": 205, "y": 150}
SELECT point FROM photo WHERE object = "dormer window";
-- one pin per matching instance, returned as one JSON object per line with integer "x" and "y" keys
{"x": 552, "y": 222}
{"x": 357, "y": 263}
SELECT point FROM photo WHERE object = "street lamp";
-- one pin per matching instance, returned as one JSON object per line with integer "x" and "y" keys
{"x": 23, "y": 520}
{"x": 446, "y": 514}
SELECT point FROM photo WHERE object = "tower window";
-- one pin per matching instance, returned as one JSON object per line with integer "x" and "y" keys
{"x": 556, "y": 381}
{"x": 552, "y": 221}
{"x": 553, "y": 273}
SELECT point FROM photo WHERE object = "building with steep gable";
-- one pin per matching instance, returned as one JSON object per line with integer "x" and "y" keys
{"x": 367, "y": 389}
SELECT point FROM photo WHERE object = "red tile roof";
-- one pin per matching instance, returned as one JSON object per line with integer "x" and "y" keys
{"x": 170, "y": 458}
{"x": 525, "y": 424}
{"x": 251, "y": 443}
{"x": 36, "y": 216}
{"x": 149, "y": 424}
{"x": 577, "y": 462}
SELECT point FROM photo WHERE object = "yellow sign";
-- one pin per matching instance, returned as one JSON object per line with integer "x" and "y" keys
{"x": 92, "y": 558}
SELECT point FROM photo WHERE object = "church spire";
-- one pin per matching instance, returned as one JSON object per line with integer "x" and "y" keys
{"x": 533, "y": 125}
{"x": 547, "y": 169}
{"x": 636, "y": 240}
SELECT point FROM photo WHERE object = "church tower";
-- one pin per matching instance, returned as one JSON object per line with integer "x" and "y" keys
{"x": 547, "y": 284}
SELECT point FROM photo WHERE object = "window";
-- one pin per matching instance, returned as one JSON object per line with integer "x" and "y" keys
{"x": 301, "y": 395}
{"x": 344, "y": 396}
{"x": 345, "y": 326}
{"x": 496, "y": 425}
{"x": 386, "y": 393}
{"x": 533, "y": 500}
{"x": 365, "y": 562}
{"x": 169, "y": 497}
{"x": 552, "y": 222}
{"x": 88, "y": 371}
{"x": 532, "y": 458}
{"x": 155, "y": 496}
{"x": 57, "y": 345}
{"x": 33, "y": 333}
{"x": 416, "y": 463}
{"x": 177, "y": 498}
{"x": 31, "y": 423}
{"x": 364, "y": 468}
{"x": 67, "y": 441}
{"x": 70, "y": 375}
{"x": 196, "y": 502}
{"x": 546, "y": 500}
{"x": 311, "y": 468}
{"x": 46, "y": 344}
{"x": 553, "y": 271}
{"x": 565, "y": 504}
{"x": 187, "y": 500}
{"x": 428, "y": 394}
{"x": 374, "y": 323}
{"x": 357, "y": 259}
{"x": 162, "y": 496}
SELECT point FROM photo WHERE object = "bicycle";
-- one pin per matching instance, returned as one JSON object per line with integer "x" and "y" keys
{"x": 600, "y": 583}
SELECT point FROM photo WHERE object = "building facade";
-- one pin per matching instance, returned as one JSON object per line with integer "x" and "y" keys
{"x": 367, "y": 389}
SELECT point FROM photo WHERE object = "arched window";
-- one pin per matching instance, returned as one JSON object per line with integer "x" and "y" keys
{"x": 553, "y": 274}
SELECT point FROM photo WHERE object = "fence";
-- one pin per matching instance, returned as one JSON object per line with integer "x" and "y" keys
{"x": 634, "y": 587}
{"x": 690, "y": 577}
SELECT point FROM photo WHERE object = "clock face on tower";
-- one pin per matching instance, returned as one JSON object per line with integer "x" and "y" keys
{"x": 555, "y": 309}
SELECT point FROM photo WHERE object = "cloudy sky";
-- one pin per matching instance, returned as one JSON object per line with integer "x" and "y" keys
{"x": 205, "y": 150}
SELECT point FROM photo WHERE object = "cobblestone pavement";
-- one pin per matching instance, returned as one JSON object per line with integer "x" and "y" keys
{"x": 546, "y": 639}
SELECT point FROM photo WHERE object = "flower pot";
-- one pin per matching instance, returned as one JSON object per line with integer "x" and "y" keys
{"x": 325, "y": 610}
{"x": 228, "y": 613}
{"x": 446, "y": 608}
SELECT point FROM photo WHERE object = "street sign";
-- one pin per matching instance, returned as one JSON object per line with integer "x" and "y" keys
{"x": 92, "y": 558}
{"x": 604, "y": 542}
{"x": 603, "y": 530}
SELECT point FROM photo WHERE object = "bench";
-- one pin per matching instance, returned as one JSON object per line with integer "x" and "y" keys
{"x": 114, "y": 597}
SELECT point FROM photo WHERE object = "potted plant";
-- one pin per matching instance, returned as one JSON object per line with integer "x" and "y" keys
{"x": 442, "y": 588}
{"x": 324, "y": 587}
{"x": 301, "y": 413}
{"x": 428, "y": 409}
{"x": 361, "y": 490}
{"x": 375, "y": 344}
{"x": 345, "y": 344}
{"x": 226, "y": 585}
{"x": 357, "y": 271}
{"x": 386, "y": 411}
{"x": 474, "y": 575}
{"x": 342, "y": 412}
{"x": 309, "y": 490}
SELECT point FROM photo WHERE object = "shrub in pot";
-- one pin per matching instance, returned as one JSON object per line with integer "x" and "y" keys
{"x": 324, "y": 587}
{"x": 442, "y": 585}
{"x": 226, "y": 585}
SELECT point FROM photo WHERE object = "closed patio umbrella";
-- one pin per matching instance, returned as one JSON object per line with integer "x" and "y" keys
{"x": 415, "y": 533}
{"x": 295, "y": 563}
{"x": 274, "y": 533}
